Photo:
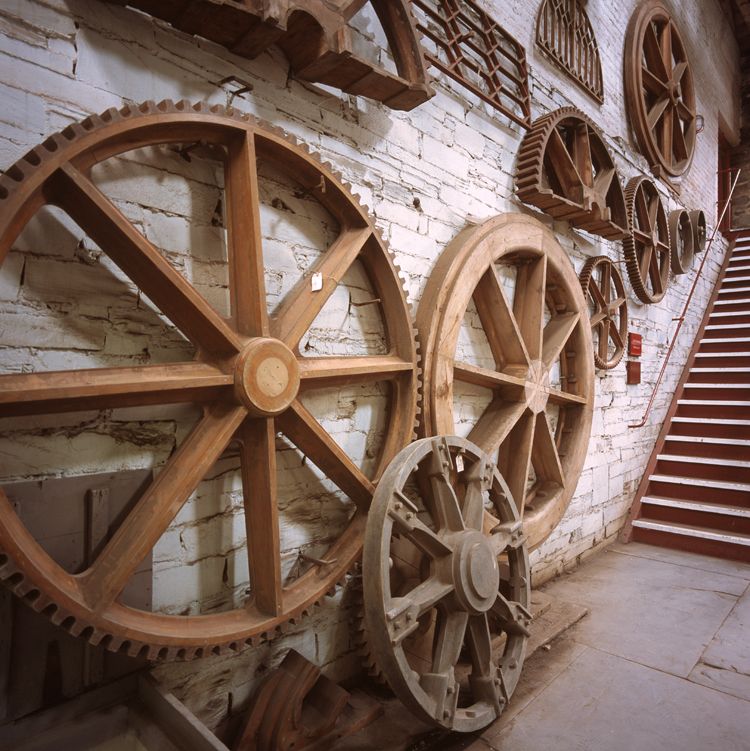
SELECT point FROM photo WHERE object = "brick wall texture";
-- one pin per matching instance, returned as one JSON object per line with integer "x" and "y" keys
{"x": 424, "y": 175}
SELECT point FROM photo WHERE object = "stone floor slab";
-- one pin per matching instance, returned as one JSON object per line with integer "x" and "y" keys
{"x": 606, "y": 702}
{"x": 650, "y": 611}
{"x": 727, "y": 681}
{"x": 730, "y": 648}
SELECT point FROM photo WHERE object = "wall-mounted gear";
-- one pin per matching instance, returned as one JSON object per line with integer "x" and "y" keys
{"x": 315, "y": 37}
{"x": 605, "y": 293}
{"x": 248, "y": 376}
{"x": 681, "y": 241}
{"x": 647, "y": 249}
{"x": 659, "y": 90}
{"x": 566, "y": 170}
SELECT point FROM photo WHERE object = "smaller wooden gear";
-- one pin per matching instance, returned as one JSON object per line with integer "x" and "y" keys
{"x": 444, "y": 591}
{"x": 605, "y": 292}
{"x": 681, "y": 241}
{"x": 566, "y": 170}
{"x": 698, "y": 220}
{"x": 647, "y": 250}
{"x": 659, "y": 90}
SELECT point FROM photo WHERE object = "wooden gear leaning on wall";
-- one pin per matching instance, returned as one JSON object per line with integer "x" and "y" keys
{"x": 235, "y": 377}
{"x": 314, "y": 36}
{"x": 544, "y": 329}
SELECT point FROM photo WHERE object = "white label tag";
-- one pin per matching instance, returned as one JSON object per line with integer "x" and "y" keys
{"x": 317, "y": 281}
{"x": 459, "y": 463}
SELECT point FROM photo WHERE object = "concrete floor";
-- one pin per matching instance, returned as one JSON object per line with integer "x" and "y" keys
{"x": 661, "y": 663}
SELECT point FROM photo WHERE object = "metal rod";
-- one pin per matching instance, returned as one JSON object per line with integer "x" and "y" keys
{"x": 684, "y": 310}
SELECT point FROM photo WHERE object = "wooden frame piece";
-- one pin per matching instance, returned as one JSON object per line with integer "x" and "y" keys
{"x": 605, "y": 292}
{"x": 659, "y": 90}
{"x": 681, "y": 241}
{"x": 446, "y": 621}
{"x": 647, "y": 248}
{"x": 515, "y": 426}
{"x": 565, "y": 169}
{"x": 315, "y": 37}
{"x": 564, "y": 33}
{"x": 467, "y": 44}
{"x": 247, "y": 376}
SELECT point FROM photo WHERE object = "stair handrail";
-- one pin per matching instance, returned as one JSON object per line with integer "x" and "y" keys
{"x": 681, "y": 319}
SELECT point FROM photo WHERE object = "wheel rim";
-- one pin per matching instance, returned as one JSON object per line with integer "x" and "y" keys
{"x": 659, "y": 90}
{"x": 516, "y": 425}
{"x": 602, "y": 285}
{"x": 457, "y": 594}
{"x": 647, "y": 249}
{"x": 681, "y": 241}
{"x": 237, "y": 360}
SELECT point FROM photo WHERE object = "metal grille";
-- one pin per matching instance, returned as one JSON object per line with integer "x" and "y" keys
{"x": 564, "y": 32}
{"x": 464, "y": 42}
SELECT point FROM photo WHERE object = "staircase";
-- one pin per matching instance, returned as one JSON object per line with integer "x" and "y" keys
{"x": 695, "y": 494}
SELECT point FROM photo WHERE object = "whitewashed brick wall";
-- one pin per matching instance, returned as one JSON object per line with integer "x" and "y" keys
{"x": 423, "y": 174}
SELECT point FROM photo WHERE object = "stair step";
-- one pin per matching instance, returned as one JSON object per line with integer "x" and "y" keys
{"x": 726, "y": 326}
{"x": 720, "y": 370}
{"x": 727, "y": 340}
{"x": 741, "y": 301}
{"x": 734, "y": 279}
{"x": 705, "y": 533}
{"x": 709, "y": 508}
{"x": 739, "y": 487}
{"x": 736, "y": 353}
{"x": 711, "y": 421}
{"x": 708, "y": 439}
{"x": 738, "y": 267}
{"x": 702, "y": 460}
{"x": 733, "y": 291}
{"x": 717, "y": 386}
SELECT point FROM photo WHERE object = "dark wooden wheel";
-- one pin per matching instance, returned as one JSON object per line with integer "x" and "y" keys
{"x": 541, "y": 382}
{"x": 659, "y": 89}
{"x": 566, "y": 170}
{"x": 681, "y": 241}
{"x": 247, "y": 376}
{"x": 605, "y": 293}
{"x": 647, "y": 249}
{"x": 698, "y": 220}
{"x": 446, "y": 594}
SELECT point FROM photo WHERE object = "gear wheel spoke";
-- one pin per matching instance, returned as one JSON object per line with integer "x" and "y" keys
{"x": 247, "y": 376}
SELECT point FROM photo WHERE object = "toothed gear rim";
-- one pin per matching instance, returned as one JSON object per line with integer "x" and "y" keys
{"x": 56, "y": 172}
{"x": 646, "y": 248}
{"x": 442, "y": 588}
{"x": 515, "y": 427}
{"x": 605, "y": 292}
{"x": 567, "y": 147}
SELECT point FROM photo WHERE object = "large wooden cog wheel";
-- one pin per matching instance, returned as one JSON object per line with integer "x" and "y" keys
{"x": 446, "y": 594}
{"x": 681, "y": 241}
{"x": 566, "y": 170}
{"x": 248, "y": 377}
{"x": 659, "y": 90}
{"x": 605, "y": 293}
{"x": 698, "y": 221}
{"x": 538, "y": 422}
{"x": 647, "y": 248}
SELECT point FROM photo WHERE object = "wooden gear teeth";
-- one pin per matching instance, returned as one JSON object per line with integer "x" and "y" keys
{"x": 647, "y": 247}
{"x": 87, "y": 605}
{"x": 565, "y": 169}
